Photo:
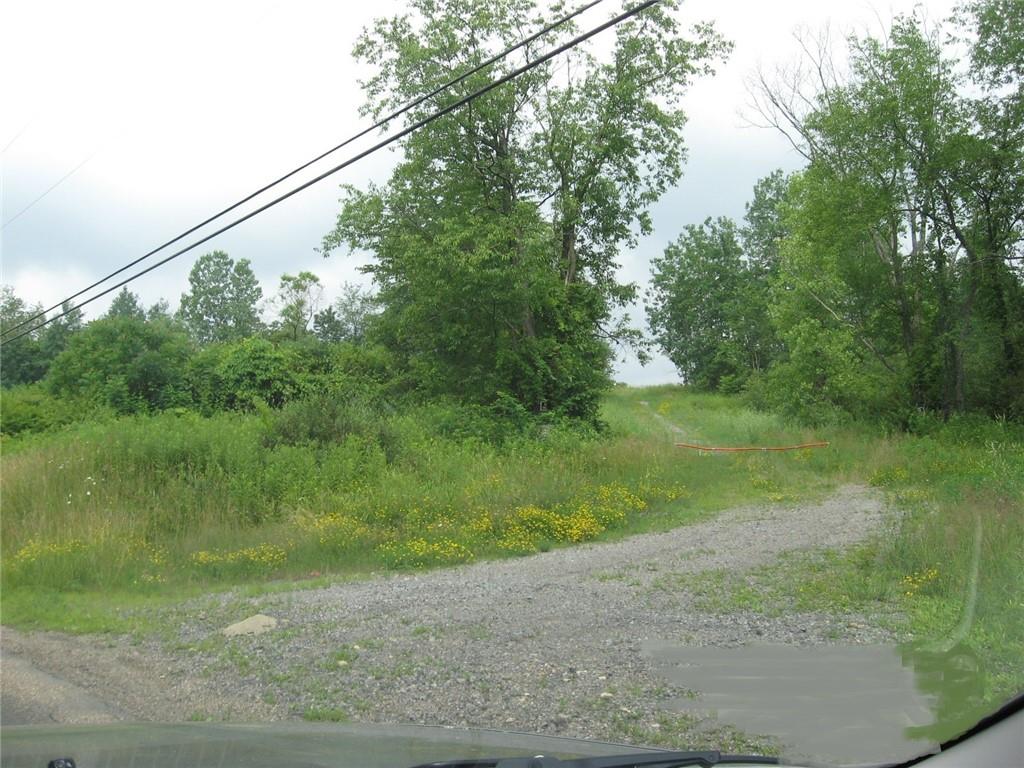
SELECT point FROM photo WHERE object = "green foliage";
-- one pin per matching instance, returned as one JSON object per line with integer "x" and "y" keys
{"x": 997, "y": 53}
{"x": 894, "y": 279}
{"x": 53, "y": 338}
{"x": 496, "y": 238}
{"x": 367, "y": 371}
{"x": 349, "y": 318}
{"x": 706, "y": 310}
{"x": 708, "y": 305}
{"x": 326, "y": 419}
{"x": 123, "y": 363}
{"x": 159, "y": 312}
{"x": 221, "y": 303}
{"x": 765, "y": 227}
{"x": 21, "y": 360}
{"x": 126, "y": 305}
{"x": 31, "y": 408}
{"x": 297, "y": 300}
{"x": 245, "y": 374}
{"x": 832, "y": 366}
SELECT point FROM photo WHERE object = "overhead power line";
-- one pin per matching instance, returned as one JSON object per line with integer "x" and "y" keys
{"x": 379, "y": 124}
{"x": 375, "y": 148}
{"x": 49, "y": 189}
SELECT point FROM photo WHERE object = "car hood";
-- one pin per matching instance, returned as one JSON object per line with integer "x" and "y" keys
{"x": 281, "y": 745}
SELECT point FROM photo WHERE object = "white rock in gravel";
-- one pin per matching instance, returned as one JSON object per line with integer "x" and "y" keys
{"x": 254, "y": 625}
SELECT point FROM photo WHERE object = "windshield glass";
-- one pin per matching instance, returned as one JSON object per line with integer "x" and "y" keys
{"x": 646, "y": 374}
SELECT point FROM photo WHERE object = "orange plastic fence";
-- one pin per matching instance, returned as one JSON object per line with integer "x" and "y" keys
{"x": 739, "y": 450}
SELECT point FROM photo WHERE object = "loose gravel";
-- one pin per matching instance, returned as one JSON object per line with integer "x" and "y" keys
{"x": 549, "y": 643}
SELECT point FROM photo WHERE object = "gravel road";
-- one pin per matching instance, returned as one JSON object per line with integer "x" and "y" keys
{"x": 549, "y": 643}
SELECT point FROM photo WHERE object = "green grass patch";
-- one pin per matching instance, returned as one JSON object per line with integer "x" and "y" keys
{"x": 325, "y": 715}
{"x": 160, "y": 506}
{"x": 683, "y": 731}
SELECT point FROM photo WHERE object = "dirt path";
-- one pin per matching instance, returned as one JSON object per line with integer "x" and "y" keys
{"x": 48, "y": 677}
{"x": 675, "y": 429}
{"x": 30, "y": 696}
{"x": 548, "y": 643}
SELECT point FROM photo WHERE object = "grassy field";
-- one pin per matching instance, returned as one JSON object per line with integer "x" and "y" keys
{"x": 152, "y": 505}
{"x": 104, "y": 518}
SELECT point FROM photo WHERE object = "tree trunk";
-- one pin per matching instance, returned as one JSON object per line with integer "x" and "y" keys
{"x": 569, "y": 253}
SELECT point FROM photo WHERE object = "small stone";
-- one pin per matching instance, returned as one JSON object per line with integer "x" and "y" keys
{"x": 606, "y": 695}
{"x": 254, "y": 625}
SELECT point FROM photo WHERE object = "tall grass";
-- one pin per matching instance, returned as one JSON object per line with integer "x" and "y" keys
{"x": 175, "y": 498}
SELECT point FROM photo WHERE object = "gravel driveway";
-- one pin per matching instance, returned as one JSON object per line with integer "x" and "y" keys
{"x": 549, "y": 643}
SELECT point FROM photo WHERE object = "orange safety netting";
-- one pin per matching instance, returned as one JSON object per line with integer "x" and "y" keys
{"x": 738, "y": 450}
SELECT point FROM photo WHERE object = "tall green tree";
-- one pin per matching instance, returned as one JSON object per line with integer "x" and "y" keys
{"x": 706, "y": 307}
{"x": 222, "y": 301}
{"x": 298, "y": 299}
{"x": 764, "y": 226}
{"x": 160, "y": 311}
{"x": 245, "y": 374}
{"x": 496, "y": 239}
{"x": 21, "y": 360}
{"x": 126, "y": 304}
{"x": 907, "y": 222}
{"x": 54, "y": 338}
{"x": 348, "y": 318}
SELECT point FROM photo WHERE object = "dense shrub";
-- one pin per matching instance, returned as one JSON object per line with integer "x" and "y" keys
{"x": 31, "y": 408}
{"x": 369, "y": 371}
{"x": 324, "y": 419}
{"x": 240, "y": 375}
{"x": 127, "y": 364}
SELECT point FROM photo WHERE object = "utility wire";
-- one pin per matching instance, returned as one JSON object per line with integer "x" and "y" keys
{"x": 379, "y": 124}
{"x": 376, "y": 147}
{"x": 49, "y": 189}
{"x": 17, "y": 136}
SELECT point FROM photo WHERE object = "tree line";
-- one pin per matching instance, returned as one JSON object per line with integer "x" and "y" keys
{"x": 885, "y": 278}
{"x": 882, "y": 280}
{"x": 216, "y": 352}
{"x": 496, "y": 239}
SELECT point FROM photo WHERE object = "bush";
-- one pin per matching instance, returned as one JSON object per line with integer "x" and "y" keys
{"x": 31, "y": 408}
{"x": 364, "y": 370}
{"x": 241, "y": 375}
{"x": 129, "y": 365}
{"x": 328, "y": 419}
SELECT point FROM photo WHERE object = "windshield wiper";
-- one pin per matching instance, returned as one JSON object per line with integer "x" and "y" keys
{"x": 640, "y": 760}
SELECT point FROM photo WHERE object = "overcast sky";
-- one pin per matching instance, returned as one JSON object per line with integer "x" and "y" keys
{"x": 163, "y": 113}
